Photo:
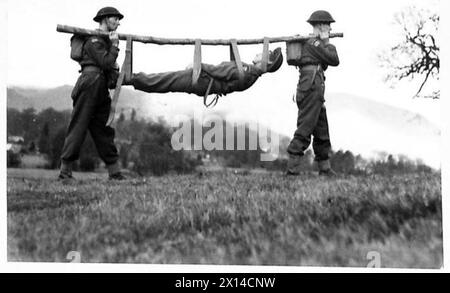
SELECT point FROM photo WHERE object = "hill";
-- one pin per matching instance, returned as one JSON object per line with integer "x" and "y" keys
{"x": 371, "y": 128}
{"x": 59, "y": 98}
{"x": 363, "y": 126}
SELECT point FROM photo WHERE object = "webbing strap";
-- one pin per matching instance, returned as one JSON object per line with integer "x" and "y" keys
{"x": 197, "y": 67}
{"x": 234, "y": 56}
{"x": 205, "y": 97}
{"x": 265, "y": 55}
{"x": 314, "y": 75}
{"x": 126, "y": 66}
{"x": 213, "y": 102}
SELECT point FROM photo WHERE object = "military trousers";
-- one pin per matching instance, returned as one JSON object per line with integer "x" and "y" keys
{"x": 181, "y": 81}
{"x": 312, "y": 117}
{"x": 91, "y": 106}
{"x": 174, "y": 81}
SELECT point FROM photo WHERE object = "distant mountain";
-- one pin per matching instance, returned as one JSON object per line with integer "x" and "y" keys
{"x": 59, "y": 98}
{"x": 21, "y": 98}
{"x": 363, "y": 126}
{"x": 368, "y": 127}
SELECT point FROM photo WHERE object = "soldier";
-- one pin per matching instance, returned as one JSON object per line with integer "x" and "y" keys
{"x": 91, "y": 100}
{"x": 317, "y": 54}
{"x": 214, "y": 79}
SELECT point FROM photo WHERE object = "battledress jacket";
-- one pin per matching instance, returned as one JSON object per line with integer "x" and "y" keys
{"x": 315, "y": 52}
{"x": 99, "y": 52}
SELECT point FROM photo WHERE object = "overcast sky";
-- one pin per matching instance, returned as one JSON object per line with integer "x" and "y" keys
{"x": 39, "y": 56}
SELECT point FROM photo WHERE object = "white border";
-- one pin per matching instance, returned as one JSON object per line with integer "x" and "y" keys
{"x": 3, "y": 65}
{"x": 445, "y": 107}
{"x": 128, "y": 268}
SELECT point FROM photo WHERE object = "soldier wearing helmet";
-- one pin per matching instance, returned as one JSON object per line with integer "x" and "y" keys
{"x": 91, "y": 100}
{"x": 317, "y": 54}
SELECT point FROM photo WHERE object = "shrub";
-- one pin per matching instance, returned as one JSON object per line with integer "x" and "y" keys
{"x": 56, "y": 147}
{"x": 13, "y": 160}
{"x": 156, "y": 156}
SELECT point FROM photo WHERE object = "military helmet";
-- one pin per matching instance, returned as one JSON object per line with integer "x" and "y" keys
{"x": 107, "y": 11}
{"x": 320, "y": 16}
{"x": 275, "y": 60}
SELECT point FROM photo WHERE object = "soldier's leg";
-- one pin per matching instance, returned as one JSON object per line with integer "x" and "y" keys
{"x": 103, "y": 136}
{"x": 321, "y": 140}
{"x": 309, "y": 110}
{"x": 84, "y": 103}
{"x": 309, "y": 104}
{"x": 297, "y": 147}
{"x": 174, "y": 81}
{"x": 322, "y": 143}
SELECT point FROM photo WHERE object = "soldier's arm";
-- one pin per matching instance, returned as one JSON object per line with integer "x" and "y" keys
{"x": 104, "y": 58}
{"x": 326, "y": 53}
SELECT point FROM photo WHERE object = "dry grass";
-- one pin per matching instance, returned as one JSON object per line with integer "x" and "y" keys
{"x": 227, "y": 218}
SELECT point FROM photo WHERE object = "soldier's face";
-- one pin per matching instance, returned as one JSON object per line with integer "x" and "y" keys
{"x": 325, "y": 27}
{"x": 112, "y": 23}
{"x": 257, "y": 59}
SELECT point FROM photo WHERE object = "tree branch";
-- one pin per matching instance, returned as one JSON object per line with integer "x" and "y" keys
{"x": 419, "y": 47}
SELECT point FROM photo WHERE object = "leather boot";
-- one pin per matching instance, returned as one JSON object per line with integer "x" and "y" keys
{"x": 325, "y": 169}
{"x": 114, "y": 172}
{"x": 65, "y": 170}
{"x": 293, "y": 165}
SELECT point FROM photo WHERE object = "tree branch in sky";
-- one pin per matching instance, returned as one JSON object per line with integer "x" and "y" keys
{"x": 417, "y": 55}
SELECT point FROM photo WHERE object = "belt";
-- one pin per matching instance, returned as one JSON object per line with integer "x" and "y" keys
{"x": 311, "y": 67}
{"x": 91, "y": 68}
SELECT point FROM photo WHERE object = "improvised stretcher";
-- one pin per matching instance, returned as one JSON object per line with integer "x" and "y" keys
{"x": 293, "y": 45}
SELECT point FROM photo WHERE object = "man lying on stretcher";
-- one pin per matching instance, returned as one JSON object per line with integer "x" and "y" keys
{"x": 219, "y": 79}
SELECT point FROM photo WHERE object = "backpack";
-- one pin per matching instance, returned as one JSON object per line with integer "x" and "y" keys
{"x": 76, "y": 47}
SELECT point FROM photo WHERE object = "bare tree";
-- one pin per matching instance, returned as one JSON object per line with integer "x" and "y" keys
{"x": 417, "y": 56}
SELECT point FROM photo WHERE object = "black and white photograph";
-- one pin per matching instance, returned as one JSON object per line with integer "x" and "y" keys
{"x": 225, "y": 133}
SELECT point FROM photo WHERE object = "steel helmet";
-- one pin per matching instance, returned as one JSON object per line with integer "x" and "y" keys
{"x": 275, "y": 60}
{"x": 320, "y": 16}
{"x": 107, "y": 11}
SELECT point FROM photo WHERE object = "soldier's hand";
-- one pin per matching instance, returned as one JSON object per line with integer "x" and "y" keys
{"x": 114, "y": 37}
{"x": 324, "y": 35}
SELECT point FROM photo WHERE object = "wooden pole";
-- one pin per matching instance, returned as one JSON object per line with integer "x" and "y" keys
{"x": 163, "y": 41}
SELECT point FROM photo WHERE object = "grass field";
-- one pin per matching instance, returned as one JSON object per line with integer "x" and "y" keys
{"x": 226, "y": 218}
